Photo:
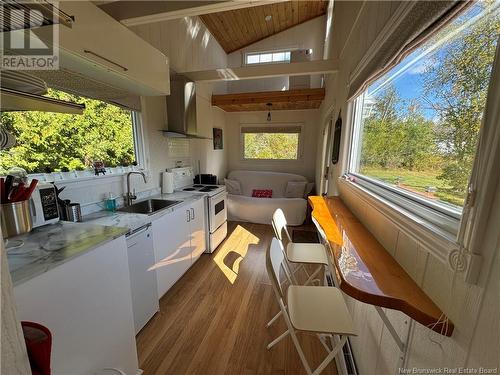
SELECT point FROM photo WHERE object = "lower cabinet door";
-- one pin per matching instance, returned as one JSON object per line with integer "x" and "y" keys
{"x": 172, "y": 248}
{"x": 143, "y": 281}
{"x": 198, "y": 229}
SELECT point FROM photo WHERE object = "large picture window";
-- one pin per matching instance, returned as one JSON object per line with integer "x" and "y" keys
{"x": 52, "y": 142}
{"x": 271, "y": 142}
{"x": 416, "y": 128}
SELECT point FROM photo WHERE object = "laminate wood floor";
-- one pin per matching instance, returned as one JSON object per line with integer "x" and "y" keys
{"x": 213, "y": 320}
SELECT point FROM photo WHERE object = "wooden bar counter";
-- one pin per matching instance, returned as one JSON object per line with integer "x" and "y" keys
{"x": 366, "y": 271}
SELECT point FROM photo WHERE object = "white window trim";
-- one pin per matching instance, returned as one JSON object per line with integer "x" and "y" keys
{"x": 75, "y": 176}
{"x": 435, "y": 240}
{"x": 438, "y": 216}
{"x": 138, "y": 134}
{"x": 300, "y": 155}
{"x": 81, "y": 176}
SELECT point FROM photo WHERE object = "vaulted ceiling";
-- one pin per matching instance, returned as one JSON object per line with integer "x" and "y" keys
{"x": 235, "y": 29}
{"x": 234, "y": 23}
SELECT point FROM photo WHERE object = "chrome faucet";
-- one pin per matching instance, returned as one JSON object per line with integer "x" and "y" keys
{"x": 130, "y": 197}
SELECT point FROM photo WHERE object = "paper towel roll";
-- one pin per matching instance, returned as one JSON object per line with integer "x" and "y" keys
{"x": 167, "y": 183}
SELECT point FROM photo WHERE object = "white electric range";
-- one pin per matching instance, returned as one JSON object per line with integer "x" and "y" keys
{"x": 215, "y": 204}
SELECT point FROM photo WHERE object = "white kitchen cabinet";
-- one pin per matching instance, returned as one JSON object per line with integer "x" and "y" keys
{"x": 179, "y": 239}
{"x": 172, "y": 248}
{"x": 141, "y": 261}
{"x": 197, "y": 229}
{"x": 101, "y": 48}
{"x": 86, "y": 304}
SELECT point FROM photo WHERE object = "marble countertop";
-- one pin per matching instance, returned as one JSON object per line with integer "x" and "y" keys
{"x": 49, "y": 246}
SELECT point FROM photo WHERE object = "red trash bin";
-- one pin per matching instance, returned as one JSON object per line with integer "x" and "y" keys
{"x": 38, "y": 344}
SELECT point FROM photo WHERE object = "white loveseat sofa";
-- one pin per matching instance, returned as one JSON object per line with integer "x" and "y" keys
{"x": 244, "y": 207}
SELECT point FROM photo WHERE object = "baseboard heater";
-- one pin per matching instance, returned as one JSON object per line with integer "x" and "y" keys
{"x": 346, "y": 364}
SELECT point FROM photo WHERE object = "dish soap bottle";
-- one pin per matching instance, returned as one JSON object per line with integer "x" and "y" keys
{"x": 110, "y": 202}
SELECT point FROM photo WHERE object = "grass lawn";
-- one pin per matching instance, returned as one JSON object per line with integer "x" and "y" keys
{"x": 416, "y": 181}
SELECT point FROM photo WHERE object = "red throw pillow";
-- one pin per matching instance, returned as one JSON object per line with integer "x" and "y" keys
{"x": 262, "y": 193}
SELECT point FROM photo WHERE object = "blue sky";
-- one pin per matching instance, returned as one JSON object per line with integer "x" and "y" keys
{"x": 408, "y": 76}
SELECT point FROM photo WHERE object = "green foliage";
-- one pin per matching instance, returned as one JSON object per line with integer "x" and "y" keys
{"x": 459, "y": 82}
{"x": 393, "y": 138}
{"x": 271, "y": 146}
{"x": 56, "y": 141}
{"x": 399, "y": 143}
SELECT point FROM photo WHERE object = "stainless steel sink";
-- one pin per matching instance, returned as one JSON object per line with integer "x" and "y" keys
{"x": 149, "y": 206}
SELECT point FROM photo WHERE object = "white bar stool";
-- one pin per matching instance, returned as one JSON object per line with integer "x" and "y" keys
{"x": 311, "y": 309}
{"x": 302, "y": 253}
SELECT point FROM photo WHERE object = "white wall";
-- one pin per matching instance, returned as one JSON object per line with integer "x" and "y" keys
{"x": 209, "y": 117}
{"x": 304, "y": 166}
{"x": 307, "y": 35}
{"x": 186, "y": 42}
{"x": 189, "y": 46}
{"x": 165, "y": 152}
{"x": 474, "y": 309}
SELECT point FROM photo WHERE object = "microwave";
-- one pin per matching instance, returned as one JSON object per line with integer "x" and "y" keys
{"x": 43, "y": 205}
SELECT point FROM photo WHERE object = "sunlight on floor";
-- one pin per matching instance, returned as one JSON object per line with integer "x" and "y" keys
{"x": 227, "y": 259}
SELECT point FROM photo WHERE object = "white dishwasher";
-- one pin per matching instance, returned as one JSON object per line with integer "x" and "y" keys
{"x": 141, "y": 260}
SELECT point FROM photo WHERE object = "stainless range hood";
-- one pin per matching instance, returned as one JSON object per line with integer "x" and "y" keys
{"x": 181, "y": 109}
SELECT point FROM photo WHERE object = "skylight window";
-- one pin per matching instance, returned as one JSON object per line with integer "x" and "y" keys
{"x": 267, "y": 57}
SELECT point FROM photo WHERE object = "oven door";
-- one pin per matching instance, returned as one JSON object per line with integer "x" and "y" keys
{"x": 217, "y": 211}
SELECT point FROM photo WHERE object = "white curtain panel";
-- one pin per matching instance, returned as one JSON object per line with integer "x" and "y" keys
{"x": 414, "y": 22}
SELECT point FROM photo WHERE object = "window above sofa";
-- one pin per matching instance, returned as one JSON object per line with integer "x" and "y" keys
{"x": 271, "y": 142}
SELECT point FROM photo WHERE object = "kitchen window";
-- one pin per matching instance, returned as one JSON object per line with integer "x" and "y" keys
{"x": 415, "y": 129}
{"x": 271, "y": 57}
{"x": 55, "y": 142}
{"x": 271, "y": 142}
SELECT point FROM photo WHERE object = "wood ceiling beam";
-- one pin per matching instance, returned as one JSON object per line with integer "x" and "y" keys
{"x": 265, "y": 71}
{"x": 288, "y": 96}
{"x": 278, "y": 100}
{"x": 222, "y": 6}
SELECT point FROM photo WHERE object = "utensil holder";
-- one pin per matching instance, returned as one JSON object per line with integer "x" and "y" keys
{"x": 16, "y": 218}
{"x": 73, "y": 212}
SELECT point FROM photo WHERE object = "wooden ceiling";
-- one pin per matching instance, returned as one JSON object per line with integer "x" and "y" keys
{"x": 280, "y": 100}
{"x": 239, "y": 28}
